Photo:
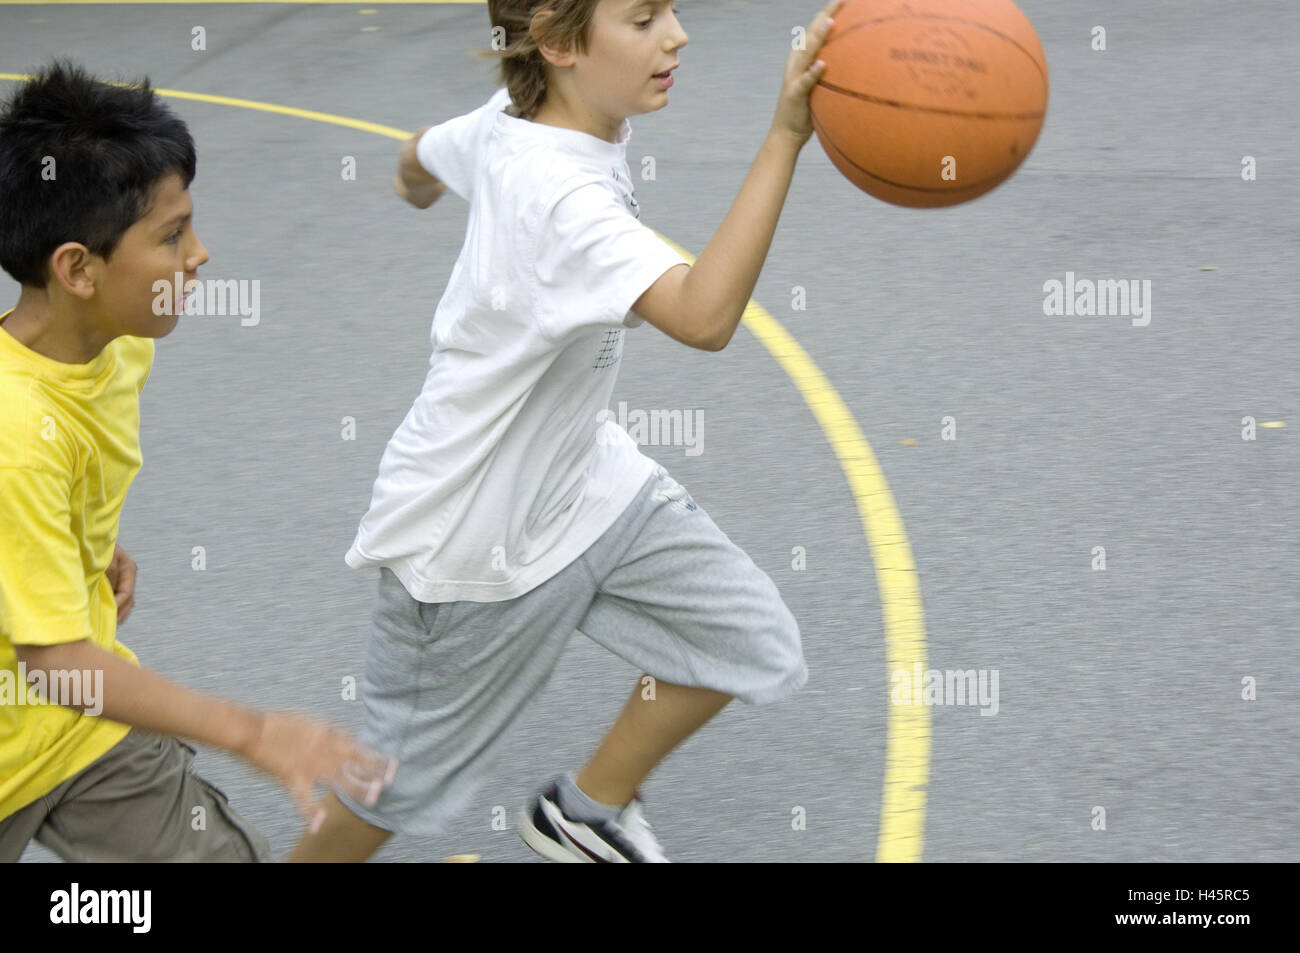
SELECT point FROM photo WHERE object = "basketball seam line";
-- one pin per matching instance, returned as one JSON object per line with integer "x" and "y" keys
{"x": 930, "y": 109}
{"x": 896, "y": 104}
{"x": 995, "y": 179}
{"x": 937, "y": 16}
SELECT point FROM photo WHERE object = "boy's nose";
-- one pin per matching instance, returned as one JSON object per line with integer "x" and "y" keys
{"x": 199, "y": 257}
{"x": 679, "y": 39}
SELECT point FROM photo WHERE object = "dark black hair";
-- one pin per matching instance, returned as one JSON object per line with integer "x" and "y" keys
{"x": 110, "y": 146}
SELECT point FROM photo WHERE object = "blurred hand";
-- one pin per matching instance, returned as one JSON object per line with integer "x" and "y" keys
{"x": 413, "y": 182}
{"x": 302, "y": 751}
{"x": 421, "y": 195}
{"x": 121, "y": 576}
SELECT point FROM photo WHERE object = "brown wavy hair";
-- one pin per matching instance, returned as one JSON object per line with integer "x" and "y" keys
{"x": 522, "y": 68}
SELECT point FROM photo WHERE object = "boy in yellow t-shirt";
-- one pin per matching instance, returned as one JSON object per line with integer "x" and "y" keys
{"x": 94, "y": 213}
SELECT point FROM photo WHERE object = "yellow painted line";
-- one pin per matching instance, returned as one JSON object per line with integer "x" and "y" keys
{"x": 901, "y": 835}
{"x": 907, "y": 748}
{"x": 389, "y": 131}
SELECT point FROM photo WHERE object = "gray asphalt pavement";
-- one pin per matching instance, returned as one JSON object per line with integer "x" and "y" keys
{"x": 1119, "y": 688}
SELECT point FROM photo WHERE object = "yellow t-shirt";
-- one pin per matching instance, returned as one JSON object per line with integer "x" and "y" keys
{"x": 69, "y": 449}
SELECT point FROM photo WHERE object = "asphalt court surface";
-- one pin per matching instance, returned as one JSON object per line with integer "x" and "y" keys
{"x": 1118, "y": 689}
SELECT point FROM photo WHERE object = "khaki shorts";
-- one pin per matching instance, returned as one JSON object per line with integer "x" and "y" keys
{"x": 136, "y": 803}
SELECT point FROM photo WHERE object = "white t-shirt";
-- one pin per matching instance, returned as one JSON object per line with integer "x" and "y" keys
{"x": 507, "y": 468}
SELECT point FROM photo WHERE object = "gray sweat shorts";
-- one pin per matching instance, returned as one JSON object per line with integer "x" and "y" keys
{"x": 663, "y": 588}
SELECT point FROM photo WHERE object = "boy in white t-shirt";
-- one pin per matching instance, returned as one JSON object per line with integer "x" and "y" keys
{"x": 509, "y": 510}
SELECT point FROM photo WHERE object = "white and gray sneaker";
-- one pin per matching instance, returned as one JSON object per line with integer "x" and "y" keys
{"x": 554, "y": 835}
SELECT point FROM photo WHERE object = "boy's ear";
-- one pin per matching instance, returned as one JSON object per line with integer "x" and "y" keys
{"x": 70, "y": 267}
{"x": 555, "y": 55}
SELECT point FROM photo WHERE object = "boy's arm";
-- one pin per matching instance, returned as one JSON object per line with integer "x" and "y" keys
{"x": 45, "y": 614}
{"x": 704, "y": 303}
{"x": 701, "y": 305}
{"x": 413, "y": 181}
{"x": 144, "y": 699}
{"x": 151, "y": 701}
{"x": 298, "y": 751}
{"x": 723, "y": 278}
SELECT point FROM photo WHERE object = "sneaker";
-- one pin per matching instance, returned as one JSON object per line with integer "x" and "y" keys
{"x": 557, "y": 837}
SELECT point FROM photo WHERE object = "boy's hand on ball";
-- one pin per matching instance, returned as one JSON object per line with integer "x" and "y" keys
{"x": 302, "y": 751}
{"x": 793, "y": 117}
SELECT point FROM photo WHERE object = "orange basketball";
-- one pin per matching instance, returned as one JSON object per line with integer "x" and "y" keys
{"x": 926, "y": 103}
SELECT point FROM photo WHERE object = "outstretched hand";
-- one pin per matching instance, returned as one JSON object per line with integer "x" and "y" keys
{"x": 302, "y": 751}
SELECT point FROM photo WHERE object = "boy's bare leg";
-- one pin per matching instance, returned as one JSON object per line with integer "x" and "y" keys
{"x": 342, "y": 838}
{"x": 643, "y": 735}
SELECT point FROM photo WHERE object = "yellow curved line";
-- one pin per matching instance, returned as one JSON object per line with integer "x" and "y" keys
{"x": 907, "y": 749}
{"x": 389, "y": 131}
{"x": 901, "y": 836}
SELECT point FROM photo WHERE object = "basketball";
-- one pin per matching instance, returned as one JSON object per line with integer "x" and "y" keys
{"x": 927, "y": 103}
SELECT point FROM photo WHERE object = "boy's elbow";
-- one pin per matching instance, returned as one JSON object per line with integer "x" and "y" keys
{"x": 719, "y": 337}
